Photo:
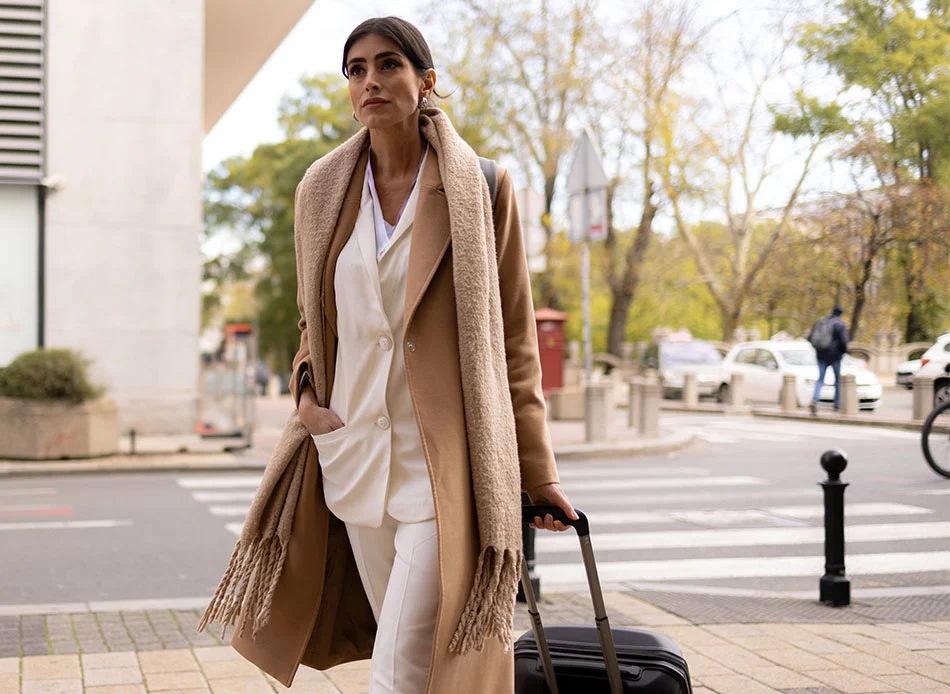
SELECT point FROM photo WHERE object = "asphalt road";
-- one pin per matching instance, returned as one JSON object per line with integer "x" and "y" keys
{"x": 738, "y": 510}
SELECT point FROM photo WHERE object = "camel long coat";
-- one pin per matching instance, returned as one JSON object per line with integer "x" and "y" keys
{"x": 320, "y": 615}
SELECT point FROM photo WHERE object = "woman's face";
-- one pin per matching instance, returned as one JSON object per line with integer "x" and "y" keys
{"x": 385, "y": 88}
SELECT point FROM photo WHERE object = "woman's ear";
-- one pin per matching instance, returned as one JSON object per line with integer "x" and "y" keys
{"x": 428, "y": 82}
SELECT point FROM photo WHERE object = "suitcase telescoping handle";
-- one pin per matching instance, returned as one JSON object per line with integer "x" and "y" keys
{"x": 581, "y": 525}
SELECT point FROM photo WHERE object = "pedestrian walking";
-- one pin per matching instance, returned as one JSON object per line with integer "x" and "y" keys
{"x": 388, "y": 523}
{"x": 829, "y": 337}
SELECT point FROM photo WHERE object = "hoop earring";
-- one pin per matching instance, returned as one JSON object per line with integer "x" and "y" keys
{"x": 355, "y": 118}
{"x": 423, "y": 103}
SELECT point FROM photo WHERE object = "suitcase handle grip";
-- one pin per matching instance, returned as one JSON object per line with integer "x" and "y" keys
{"x": 580, "y": 525}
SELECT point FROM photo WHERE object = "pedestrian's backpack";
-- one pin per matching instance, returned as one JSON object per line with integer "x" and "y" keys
{"x": 490, "y": 169}
{"x": 822, "y": 336}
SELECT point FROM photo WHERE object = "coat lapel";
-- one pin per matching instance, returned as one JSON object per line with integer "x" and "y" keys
{"x": 344, "y": 228}
{"x": 430, "y": 235}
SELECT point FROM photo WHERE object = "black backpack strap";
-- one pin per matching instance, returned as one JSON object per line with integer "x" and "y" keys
{"x": 490, "y": 169}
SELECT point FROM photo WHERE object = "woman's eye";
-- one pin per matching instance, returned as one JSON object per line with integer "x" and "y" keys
{"x": 356, "y": 70}
{"x": 389, "y": 64}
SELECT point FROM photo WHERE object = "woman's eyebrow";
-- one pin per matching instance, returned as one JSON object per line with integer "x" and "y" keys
{"x": 378, "y": 57}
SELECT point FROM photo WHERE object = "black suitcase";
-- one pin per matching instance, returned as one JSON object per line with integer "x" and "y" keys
{"x": 587, "y": 659}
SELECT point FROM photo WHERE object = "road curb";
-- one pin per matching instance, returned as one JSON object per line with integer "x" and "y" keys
{"x": 671, "y": 441}
{"x": 229, "y": 462}
{"x": 851, "y": 420}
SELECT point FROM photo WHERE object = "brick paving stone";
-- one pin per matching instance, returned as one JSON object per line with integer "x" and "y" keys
{"x": 95, "y": 661}
{"x": 163, "y": 681}
{"x": 9, "y": 650}
{"x": 733, "y": 657}
{"x": 51, "y": 667}
{"x": 112, "y": 676}
{"x": 700, "y": 665}
{"x": 916, "y": 684}
{"x": 867, "y": 664}
{"x": 9, "y": 684}
{"x": 737, "y": 684}
{"x": 241, "y": 685}
{"x": 203, "y": 640}
{"x": 9, "y": 666}
{"x": 65, "y": 648}
{"x": 850, "y": 682}
{"x": 821, "y": 646}
{"x": 940, "y": 673}
{"x": 72, "y": 686}
{"x": 167, "y": 661}
{"x": 34, "y": 649}
{"x": 759, "y": 643}
{"x": 780, "y": 678}
{"x": 217, "y": 654}
{"x": 117, "y": 689}
{"x": 798, "y": 660}
{"x": 224, "y": 669}
{"x": 692, "y": 636}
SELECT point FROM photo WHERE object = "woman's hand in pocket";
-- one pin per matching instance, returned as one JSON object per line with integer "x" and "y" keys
{"x": 318, "y": 420}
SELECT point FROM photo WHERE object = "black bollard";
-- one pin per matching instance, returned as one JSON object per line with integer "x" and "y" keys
{"x": 131, "y": 441}
{"x": 834, "y": 588}
{"x": 527, "y": 546}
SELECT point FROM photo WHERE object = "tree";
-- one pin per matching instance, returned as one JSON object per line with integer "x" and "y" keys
{"x": 251, "y": 201}
{"x": 645, "y": 73}
{"x": 527, "y": 68}
{"x": 723, "y": 170}
{"x": 894, "y": 58}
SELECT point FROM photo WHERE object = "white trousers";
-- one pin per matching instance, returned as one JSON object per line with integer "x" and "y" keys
{"x": 399, "y": 566}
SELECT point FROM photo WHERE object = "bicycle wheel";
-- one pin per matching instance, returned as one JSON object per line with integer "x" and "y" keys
{"x": 935, "y": 439}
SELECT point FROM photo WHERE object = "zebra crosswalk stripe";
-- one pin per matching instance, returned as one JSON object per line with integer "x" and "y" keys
{"x": 572, "y": 574}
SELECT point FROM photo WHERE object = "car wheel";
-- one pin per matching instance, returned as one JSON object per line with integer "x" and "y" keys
{"x": 941, "y": 394}
{"x": 722, "y": 395}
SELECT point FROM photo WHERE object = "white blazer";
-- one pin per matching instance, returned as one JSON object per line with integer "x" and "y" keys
{"x": 376, "y": 461}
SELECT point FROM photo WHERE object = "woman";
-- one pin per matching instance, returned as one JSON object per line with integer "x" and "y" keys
{"x": 418, "y": 381}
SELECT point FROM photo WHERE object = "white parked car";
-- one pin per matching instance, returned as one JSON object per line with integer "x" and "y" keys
{"x": 674, "y": 358}
{"x": 934, "y": 363}
{"x": 764, "y": 364}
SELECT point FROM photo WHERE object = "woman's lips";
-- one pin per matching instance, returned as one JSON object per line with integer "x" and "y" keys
{"x": 374, "y": 104}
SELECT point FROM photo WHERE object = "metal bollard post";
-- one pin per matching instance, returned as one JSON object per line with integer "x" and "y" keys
{"x": 690, "y": 391}
{"x": 131, "y": 441}
{"x": 650, "y": 409}
{"x": 835, "y": 587}
{"x": 849, "y": 395}
{"x": 633, "y": 404}
{"x": 788, "y": 397}
{"x": 527, "y": 547}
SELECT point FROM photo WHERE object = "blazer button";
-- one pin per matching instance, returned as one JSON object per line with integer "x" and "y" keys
{"x": 383, "y": 422}
{"x": 385, "y": 343}
{"x": 411, "y": 346}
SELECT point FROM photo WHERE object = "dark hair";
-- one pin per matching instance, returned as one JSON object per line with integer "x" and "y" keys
{"x": 405, "y": 35}
{"x": 837, "y": 310}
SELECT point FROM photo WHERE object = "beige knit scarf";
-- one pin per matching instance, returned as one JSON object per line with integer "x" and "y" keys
{"x": 247, "y": 588}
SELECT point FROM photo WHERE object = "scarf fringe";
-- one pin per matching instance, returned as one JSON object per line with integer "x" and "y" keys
{"x": 247, "y": 587}
{"x": 490, "y": 608}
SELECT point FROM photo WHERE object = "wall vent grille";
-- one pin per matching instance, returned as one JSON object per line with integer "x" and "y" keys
{"x": 22, "y": 90}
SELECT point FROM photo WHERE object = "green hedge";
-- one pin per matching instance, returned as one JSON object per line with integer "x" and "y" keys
{"x": 48, "y": 374}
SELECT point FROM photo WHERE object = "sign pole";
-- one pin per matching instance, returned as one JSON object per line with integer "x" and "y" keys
{"x": 587, "y": 177}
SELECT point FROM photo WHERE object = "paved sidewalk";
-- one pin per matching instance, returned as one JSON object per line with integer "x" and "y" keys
{"x": 189, "y": 453}
{"x": 158, "y": 651}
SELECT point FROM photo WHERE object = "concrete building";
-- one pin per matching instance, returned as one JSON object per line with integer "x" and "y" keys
{"x": 103, "y": 108}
